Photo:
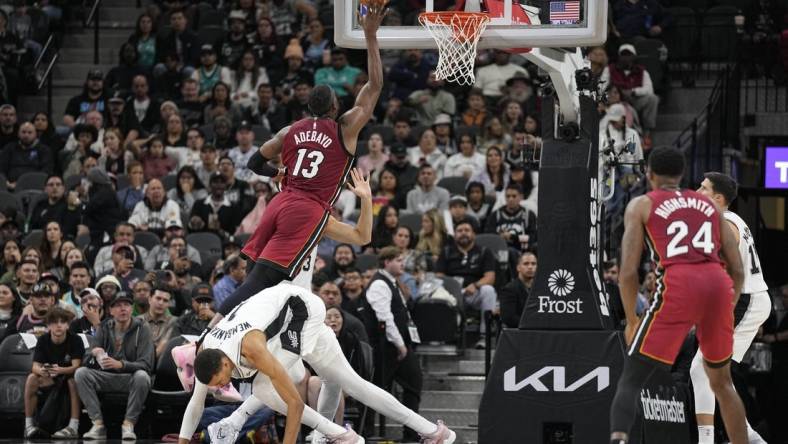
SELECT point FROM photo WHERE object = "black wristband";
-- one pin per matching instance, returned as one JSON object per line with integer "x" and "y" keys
{"x": 259, "y": 165}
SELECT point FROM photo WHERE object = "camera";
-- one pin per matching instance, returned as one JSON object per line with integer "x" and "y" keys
{"x": 584, "y": 79}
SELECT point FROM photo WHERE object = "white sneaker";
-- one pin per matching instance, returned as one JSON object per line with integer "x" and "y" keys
{"x": 443, "y": 435}
{"x": 223, "y": 432}
{"x": 349, "y": 437}
{"x": 66, "y": 433}
{"x": 127, "y": 433}
{"x": 316, "y": 437}
{"x": 33, "y": 432}
{"x": 96, "y": 432}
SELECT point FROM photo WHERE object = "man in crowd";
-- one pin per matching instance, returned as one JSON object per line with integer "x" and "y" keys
{"x": 330, "y": 294}
{"x": 159, "y": 319}
{"x": 639, "y": 18}
{"x": 123, "y": 235}
{"x": 125, "y": 358}
{"x": 208, "y": 163}
{"x": 241, "y": 154}
{"x": 155, "y": 210}
{"x": 433, "y": 101}
{"x": 339, "y": 76}
{"x": 92, "y": 98}
{"x": 42, "y": 301}
{"x": 267, "y": 113}
{"x": 398, "y": 164}
{"x": 141, "y": 105}
{"x": 410, "y": 74}
{"x": 123, "y": 259}
{"x": 179, "y": 41}
{"x": 92, "y": 309}
{"x": 196, "y": 320}
{"x": 492, "y": 78}
{"x": 191, "y": 106}
{"x": 515, "y": 294}
{"x": 635, "y": 84}
{"x": 79, "y": 280}
{"x": 9, "y": 129}
{"x": 141, "y": 292}
{"x": 56, "y": 358}
{"x": 27, "y": 275}
{"x": 517, "y": 225}
{"x": 474, "y": 267}
{"x": 390, "y": 307}
{"x": 427, "y": 196}
{"x": 352, "y": 289}
{"x": 160, "y": 253}
{"x": 25, "y": 156}
{"x": 234, "y": 269}
{"x": 344, "y": 258}
{"x": 54, "y": 208}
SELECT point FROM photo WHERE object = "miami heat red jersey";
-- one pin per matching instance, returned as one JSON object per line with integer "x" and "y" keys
{"x": 683, "y": 228}
{"x": 316, "y": 159}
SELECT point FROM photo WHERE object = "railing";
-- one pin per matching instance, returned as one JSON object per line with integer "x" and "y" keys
{"x": 46, "y": 78}
{"x": 93, "y": 18}
{"x": 761, "y": 94}
{"x": 715, "y": 129}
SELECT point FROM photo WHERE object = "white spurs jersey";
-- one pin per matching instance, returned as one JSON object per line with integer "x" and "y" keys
{"x": 287, "y": 314}
{"x": 753, "y": 274}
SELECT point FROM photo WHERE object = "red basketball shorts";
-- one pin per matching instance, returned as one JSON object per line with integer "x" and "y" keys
{"x": 290, "y": 228}
{"x": 699, "y": 295}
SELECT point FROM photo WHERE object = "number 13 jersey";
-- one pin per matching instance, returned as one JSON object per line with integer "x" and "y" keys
{"x": 316, "y": 159}
{"x": 753, "y": 274}
{"x": 683, "y": 228}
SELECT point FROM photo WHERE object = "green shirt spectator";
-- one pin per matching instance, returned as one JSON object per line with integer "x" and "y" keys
{"x": 339, "y": 75}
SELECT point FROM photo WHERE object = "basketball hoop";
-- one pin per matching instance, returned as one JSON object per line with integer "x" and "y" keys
{"x": 457, "y": 33}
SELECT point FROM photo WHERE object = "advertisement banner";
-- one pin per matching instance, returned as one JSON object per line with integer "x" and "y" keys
{"x": 664, "y": 407}
{"x": 545, "y": 385}
{"x": 776, "y": 166}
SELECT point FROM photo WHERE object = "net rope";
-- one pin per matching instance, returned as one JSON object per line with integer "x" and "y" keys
{"x": 457, "y": 34}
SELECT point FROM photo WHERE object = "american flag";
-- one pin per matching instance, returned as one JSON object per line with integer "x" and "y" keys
{"x": 564, "y": 12}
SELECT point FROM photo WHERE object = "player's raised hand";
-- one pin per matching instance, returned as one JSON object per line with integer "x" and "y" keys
{"x": 359, "y": 184}
{"x": 376, "y": 12}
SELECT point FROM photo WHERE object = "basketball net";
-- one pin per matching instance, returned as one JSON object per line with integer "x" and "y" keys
{"x": 457, "y": 33}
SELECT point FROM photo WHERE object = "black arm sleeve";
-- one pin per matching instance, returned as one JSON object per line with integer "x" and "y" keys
{"x": 259, "y": 165}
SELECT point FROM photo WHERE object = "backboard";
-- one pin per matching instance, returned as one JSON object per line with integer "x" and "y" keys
{"x": 535, "y": 23}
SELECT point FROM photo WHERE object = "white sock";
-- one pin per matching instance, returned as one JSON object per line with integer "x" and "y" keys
{"x": 29, "y": 422}
{"x": 705, "y": 434}
{"x": 74, "y": 423}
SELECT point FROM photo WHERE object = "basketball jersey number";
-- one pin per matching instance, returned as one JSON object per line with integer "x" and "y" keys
{"x": 755, "y": 263}
{"x": 702, "y": 240}
{"x": 315, "y": 158}
{"x": 231, "y": 315}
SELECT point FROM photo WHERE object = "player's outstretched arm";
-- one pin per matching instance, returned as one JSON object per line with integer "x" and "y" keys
{"x": 358, "y": 116}
{"x": 255, "y": 350}
{"x": 258, "y": 163}
{"x": 193, "y": 413}
{"x": 631, "y": 250}
{"x": 361, "y": 234}
{"x": 730, "y": 254}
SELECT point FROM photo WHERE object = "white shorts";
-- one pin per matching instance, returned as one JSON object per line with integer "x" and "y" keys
{"x": 750, "y": 313}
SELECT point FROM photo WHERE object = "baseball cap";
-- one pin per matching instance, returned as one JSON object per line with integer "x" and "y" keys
{"x": 117, "y": 97}
{"x": 616, "y": 112}
{"x": 42, "y": 288}
{"x": 121, "y": 296}
{"x": 202, "y": 292}
{"x": 627, "y": 47}
{"x": 519, "y": 76}
{"x": 245, "y": 126}
{"x": 398, "y": 149}
{"x": 49, "y": 277}
{"x": 89, "y": 292}
{"x": 95, "y": 74}
{"x": 458, "y": 198}
{"x": 98, "y": 176}
{"x": 117, "y": 248}
{"x": 442, "y": 119}
{"x": 173, "y": 223}
{"x": 237, "y": 14}
{"x": 207, "y": 48}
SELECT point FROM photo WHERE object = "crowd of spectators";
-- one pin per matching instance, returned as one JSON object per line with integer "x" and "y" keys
{"x": 154, "y": 151}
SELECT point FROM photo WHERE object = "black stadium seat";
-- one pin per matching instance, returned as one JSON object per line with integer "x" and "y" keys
{"x": 15, "y": 365}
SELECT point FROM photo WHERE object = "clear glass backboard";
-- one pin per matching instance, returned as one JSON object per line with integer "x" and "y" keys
{"x": 513, "y": 24}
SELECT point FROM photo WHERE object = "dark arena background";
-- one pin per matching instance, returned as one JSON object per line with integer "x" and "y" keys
{"x": 125, "y": 200}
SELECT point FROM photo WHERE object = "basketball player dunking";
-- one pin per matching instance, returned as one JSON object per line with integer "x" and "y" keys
{"x": 751, "y": 311}
{"x": 686, "y": 234}
{"x": 317, "y": 153}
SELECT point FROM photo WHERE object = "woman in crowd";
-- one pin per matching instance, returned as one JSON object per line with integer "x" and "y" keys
{"x": 188, "y": 190}
{"x": 175, "y": 132}
{"x": 414, "y": 262}
{"x": 144, "y": 39}
{"x": 155, "y": 162}
{"x": 46, "y": 132}
{"x": 264, "y": 194}
{"x": 468, "y": 162}
{"x": 247, "y": 77}
{"x": 115, "y": 156}
{"x": 33, "y": 254}
{"x": 376, "y": 158}
{"x": 135, "y": 191}
{"x": 385, "y": 227}
{"x": 223, "y": 136}
{"x": 427, "y": 151}
{"x": 50, "y": 244}
{"x": 386, "y": 193}
{"x": 220, "y": 104}
{"x": 614, "y": 96}
{"x": 432, "y": 236}
{"x": 476, "y": 112}
{"x": 11, "y": 257}
{"x": 315, "y": 43}
{"x": 511, "y": 115}
{"x": 60, "y": 268}
{"x": 477, "y": 205}
{"x": 494, "y": 135}
{"x": 10, "y": 305}
{"x": 266, "y": 44}
{"x": 495, "y": 176}
{"x": 351, "y": 348}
